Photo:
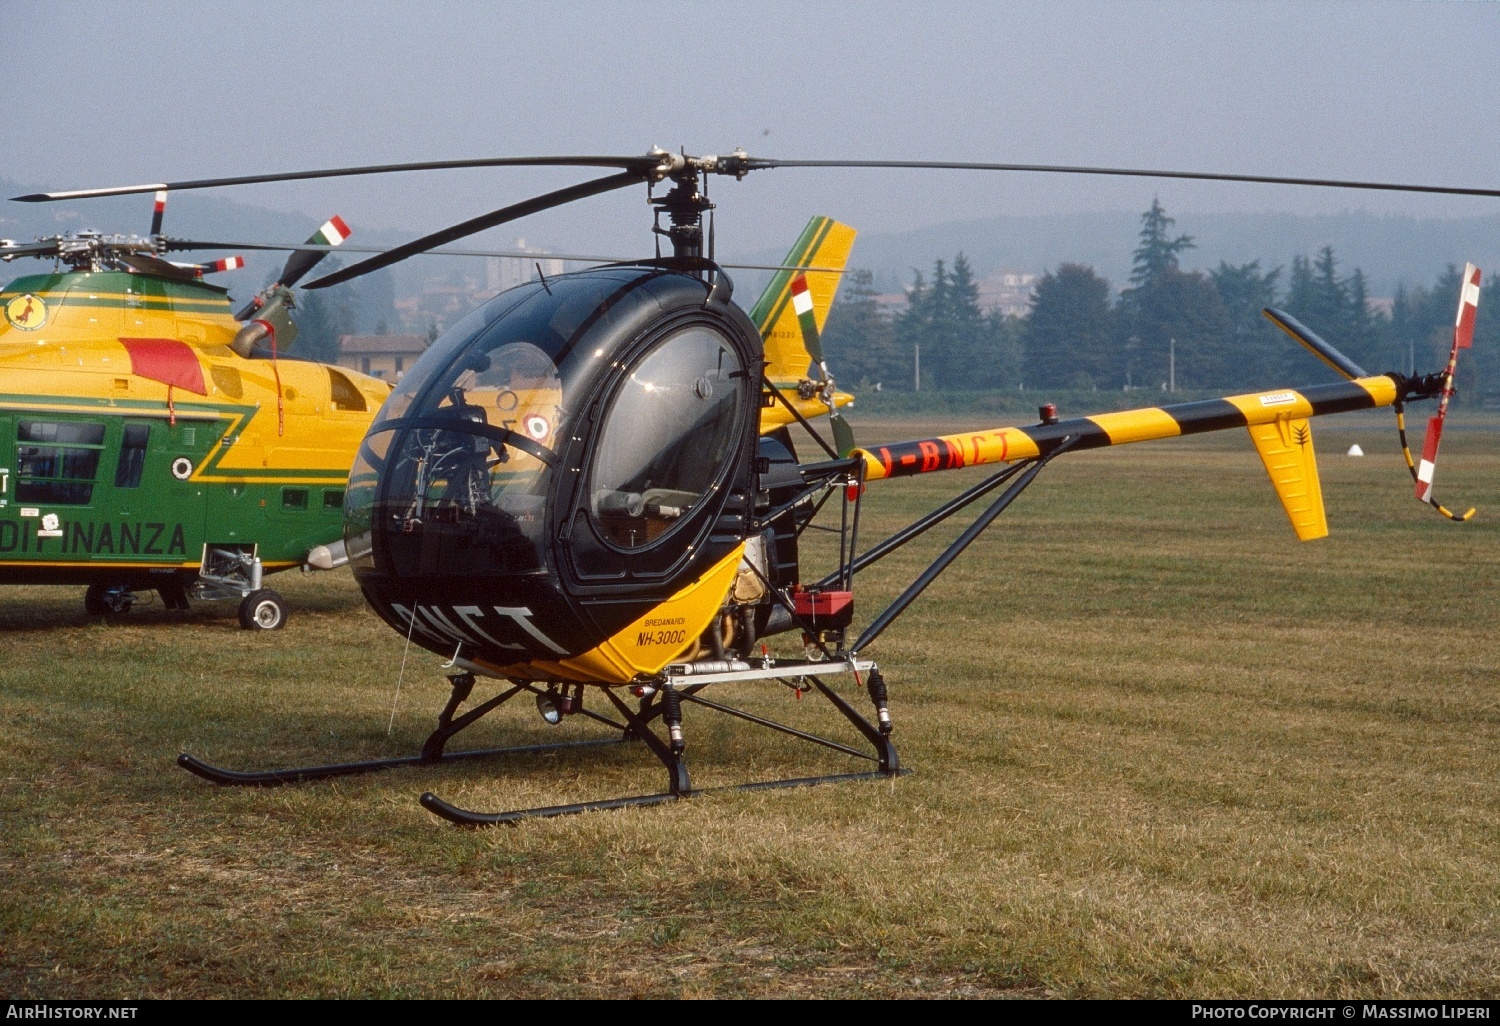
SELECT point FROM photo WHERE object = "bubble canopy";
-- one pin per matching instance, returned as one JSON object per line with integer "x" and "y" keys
{"x": 585, "y": 427}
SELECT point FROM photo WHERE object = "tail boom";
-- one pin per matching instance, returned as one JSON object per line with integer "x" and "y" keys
{"x": 1009, "y": 444}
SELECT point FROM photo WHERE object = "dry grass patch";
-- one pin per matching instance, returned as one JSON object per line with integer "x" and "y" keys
{"x": 1160, "y": 749}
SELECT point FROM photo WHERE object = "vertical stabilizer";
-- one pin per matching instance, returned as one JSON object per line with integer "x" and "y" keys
{"x": 823, "y": 243}
{"x": 1286, "y": 448}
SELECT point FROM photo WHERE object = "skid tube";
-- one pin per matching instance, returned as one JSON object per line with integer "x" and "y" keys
{"x": 666, "y": 702}
{"x": 432, "y": 753}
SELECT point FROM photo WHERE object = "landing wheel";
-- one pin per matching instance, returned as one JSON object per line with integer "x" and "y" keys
{"x": 263, "y": 610}
{"x": 107, "y": 600}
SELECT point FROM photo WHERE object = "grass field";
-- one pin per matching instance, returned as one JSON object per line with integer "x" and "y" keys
{"x": 1160, "y": 748}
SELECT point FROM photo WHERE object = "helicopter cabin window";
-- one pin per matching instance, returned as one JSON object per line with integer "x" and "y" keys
{"x": 132, "y": 455}
{"x": 57, "y": 461}
{"x": 294, "y": 498}
{"x": 666, "y": 437}
{"x": 333, "y": 498}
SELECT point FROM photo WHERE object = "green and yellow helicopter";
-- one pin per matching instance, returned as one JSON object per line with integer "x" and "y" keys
{"x": 152, "y": 439}
{"x": 587, "y": 486}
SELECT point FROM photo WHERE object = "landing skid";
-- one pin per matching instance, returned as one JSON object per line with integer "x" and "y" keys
{"x": 663, "y": 700}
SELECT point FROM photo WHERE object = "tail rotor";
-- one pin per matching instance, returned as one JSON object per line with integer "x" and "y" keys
{"x": 802, "y": 305}
{"x": 1463, "y": 338}
{"x": 1425, "y": 387}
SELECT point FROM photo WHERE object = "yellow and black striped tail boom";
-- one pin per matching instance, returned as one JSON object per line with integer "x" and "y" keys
{"x": 1277, "y": 422}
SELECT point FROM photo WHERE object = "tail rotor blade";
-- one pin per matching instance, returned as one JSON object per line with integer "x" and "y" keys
{"x": 158, "y": 211}
{"x": 843, "y": 434}
{"x": 1315, "y": 344}
{"x": 802, "y": 305}
{"x": 1463, "y": 338}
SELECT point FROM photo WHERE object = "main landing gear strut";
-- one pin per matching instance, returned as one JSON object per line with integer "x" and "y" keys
{"x": 662, "y": 701}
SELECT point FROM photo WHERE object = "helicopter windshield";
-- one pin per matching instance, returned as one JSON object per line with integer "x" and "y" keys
{"x": 458, "y": 467}
{"x": 478, "y": 458}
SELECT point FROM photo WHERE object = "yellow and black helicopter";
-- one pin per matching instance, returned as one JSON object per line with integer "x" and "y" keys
{"x": 151, "y": 439}
{"x": 588, "y": 486}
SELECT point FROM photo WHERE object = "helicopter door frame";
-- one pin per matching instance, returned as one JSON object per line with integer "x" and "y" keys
{"x": 10, "y": 527}
{"x": 575, "y": 513}
{"x": 7, "y": 460}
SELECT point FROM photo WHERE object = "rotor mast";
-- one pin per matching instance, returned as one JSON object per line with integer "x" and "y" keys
{"x": 687, "y": 201}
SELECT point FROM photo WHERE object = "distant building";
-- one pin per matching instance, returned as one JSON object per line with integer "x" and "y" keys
{"x": 501, "y": 273}
{"x": 381, "y": 356}
{"x": 1007, "y": 291}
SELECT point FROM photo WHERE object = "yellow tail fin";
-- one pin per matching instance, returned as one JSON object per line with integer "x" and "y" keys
{"x": 823, "y": 243}
{"x": 1286, "y": 448}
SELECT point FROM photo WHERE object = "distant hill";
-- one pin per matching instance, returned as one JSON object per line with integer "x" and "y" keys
{"x": 1390, "y": 249}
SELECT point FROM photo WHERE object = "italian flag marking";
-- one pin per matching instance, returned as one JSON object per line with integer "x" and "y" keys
{"x": 802, "y": 305}
{"x": 334, "y": 231}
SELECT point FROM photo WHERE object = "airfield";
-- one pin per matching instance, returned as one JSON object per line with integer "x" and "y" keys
{"x": 1160, "y": 748}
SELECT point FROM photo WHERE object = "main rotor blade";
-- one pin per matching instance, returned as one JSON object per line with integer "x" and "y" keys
{"x": 640, "y": 164}
{"x": 149, "y": 264}
{"x": 32, "y": 249}
{"x": 478, "y": 224}
{"x": 579, "y": 258}
{"x": 757, "y": 163}
{"x": 1315, "y": 344}
{"x": 333, "y": 232}
{"x": 158, "y": 211}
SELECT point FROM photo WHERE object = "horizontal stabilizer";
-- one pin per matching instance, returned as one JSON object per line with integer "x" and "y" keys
{"x": 1286, "y": 448}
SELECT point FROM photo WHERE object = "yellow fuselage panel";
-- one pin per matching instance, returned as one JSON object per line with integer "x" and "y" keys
{"x": 647, "y": 645}
{"x": 310, "y": 432}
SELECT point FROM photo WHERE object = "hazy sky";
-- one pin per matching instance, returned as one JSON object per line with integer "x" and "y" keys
{"x": 99, "y": 94}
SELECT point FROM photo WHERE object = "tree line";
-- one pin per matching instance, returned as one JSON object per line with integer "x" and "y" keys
{"x": 1191, "y": 329}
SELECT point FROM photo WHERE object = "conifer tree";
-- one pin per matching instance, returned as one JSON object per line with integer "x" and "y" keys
{"x": 1068, "y": 339}
{"x": 1157, "y": 252}
{"x": 1253, "y": 345}
{"x": 911, "y": 329}
{"x": 858, "y": 337}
